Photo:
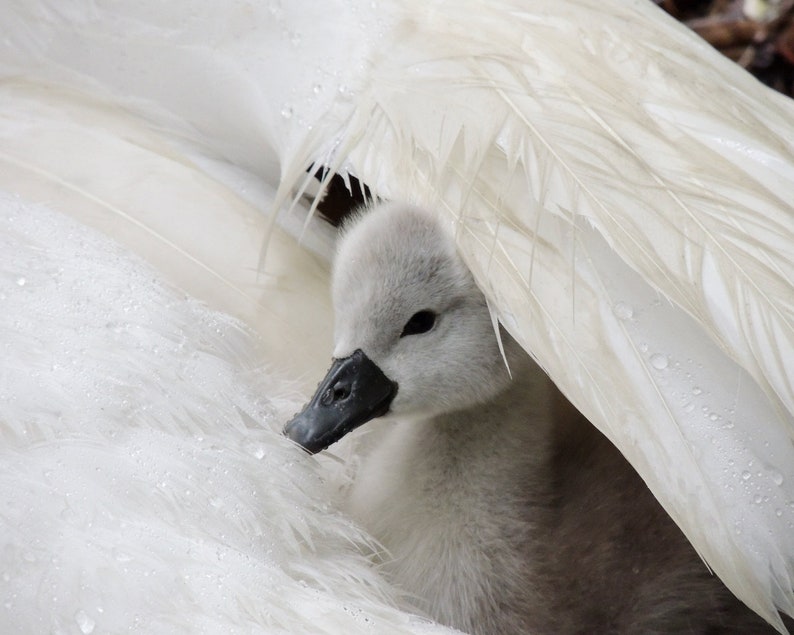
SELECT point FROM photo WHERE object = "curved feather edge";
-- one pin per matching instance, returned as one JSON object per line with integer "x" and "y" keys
{"x": 653, "y": 193}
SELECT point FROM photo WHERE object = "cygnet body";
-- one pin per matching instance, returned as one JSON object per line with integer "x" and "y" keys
{"x": 500, "y": 508}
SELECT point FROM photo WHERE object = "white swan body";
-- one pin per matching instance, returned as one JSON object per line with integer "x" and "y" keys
{"x": 595, "y": 146}
{"x": 500, "y": 509}
{"x": 144, "y": 485}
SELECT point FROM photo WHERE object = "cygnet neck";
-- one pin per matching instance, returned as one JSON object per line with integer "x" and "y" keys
{"x": 475, "y": 479}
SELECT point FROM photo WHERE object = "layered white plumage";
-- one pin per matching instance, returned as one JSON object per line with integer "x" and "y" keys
{"x": 144, "y": 481}
{"x": 621, "y": 193}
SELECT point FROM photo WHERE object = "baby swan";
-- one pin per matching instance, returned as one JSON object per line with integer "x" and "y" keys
{"x": 501, "y": 509}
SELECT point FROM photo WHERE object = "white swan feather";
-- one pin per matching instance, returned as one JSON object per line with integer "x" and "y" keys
{"x": 621, "y": 193}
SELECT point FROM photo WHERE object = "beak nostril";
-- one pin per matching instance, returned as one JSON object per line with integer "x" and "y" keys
{"x": 336, "y": 393}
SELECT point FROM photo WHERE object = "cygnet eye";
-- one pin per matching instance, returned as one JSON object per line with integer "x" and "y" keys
{"x": 420, "y": 322}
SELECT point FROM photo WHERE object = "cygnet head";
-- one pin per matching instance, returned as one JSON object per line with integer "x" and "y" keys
{"x": 413, "y": 335}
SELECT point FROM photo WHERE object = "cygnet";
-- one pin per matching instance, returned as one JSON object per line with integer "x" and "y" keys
{"x": 500, "y": 508}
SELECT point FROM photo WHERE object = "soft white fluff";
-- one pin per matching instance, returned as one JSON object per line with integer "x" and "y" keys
{"x": 144, "y": 485}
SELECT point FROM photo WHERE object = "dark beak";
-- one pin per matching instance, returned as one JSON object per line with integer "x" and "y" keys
{"x": 353, "y": 392}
